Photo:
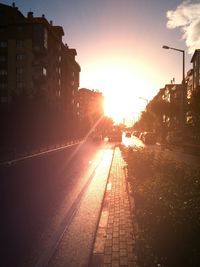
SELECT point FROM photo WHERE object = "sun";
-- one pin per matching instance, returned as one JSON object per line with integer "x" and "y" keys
{"x": 122, "y": 86}
{"x": 115, "y": 108}
{"x": 121, "y": 107}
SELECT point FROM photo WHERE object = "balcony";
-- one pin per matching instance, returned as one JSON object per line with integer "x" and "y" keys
{"x": 40, "y": 50}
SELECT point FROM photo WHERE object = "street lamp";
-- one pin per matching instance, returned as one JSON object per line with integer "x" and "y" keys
{"x": 183, "y": 81}
{"x": 144, "y": 99}
{"x": 182, "y": 51}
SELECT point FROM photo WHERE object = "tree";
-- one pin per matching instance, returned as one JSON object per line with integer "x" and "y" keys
{"x": 194, "y": 111}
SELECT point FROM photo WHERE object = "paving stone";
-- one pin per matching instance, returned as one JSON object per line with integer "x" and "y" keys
{"x": 115, "y": 263}
{"x": 109, "y": 231}
{"x": 129, "y": 249}
{"x": 115, "y": 247}
{"x": 123, "y": 252}
{"x": 115, "y": 234}
{"x": 115, "y": 240}
{"x": 123, "y": 261}
{"x": 108, "y": 243}
{"x": 107, "y": 259}
{"x": 115, "y": 255}
{"x": 119, "y": 235}
{"x": 122, "y": 245}
{"x": 109, "y": 236}
{"x": 116, "y": 228}
{"x": 122, "y": 238}
{"x": 108, "y": 250}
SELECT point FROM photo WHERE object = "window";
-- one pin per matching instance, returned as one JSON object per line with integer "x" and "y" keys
{"x": 3, "y": 86}
{"x": 20, "y": 28}
{"x": 44, "y": 71}
{"x": 40, "y": 37}
{"x": 20, "y": 85}
{"x": 3, "y": 72}
{"x": 59, "y": 58}
{"x": 2, "y": 58}
{"x": 19, "y": 70}
{"x": 45, "y": 38}
{"x": 4, "y": 99}
{"x": 20, "y": 56}
{"x": 3, "y": 44}
{"x": 19, "y": 43}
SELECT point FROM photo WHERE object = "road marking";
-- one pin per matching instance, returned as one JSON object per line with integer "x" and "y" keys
{"x": 10, "y": 162}
{"x": 45, "y": 258}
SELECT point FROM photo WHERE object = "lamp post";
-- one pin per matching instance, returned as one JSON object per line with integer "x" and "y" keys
{"x": 144, "y": 99}
{"x": 183, "y": 81}
{"x": 182, "y": 51}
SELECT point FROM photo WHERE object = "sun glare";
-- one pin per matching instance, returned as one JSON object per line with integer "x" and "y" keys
{"x": 122, "y": 87}
{"x": 122, "y": 102}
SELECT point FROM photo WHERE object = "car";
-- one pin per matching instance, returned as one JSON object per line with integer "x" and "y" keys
{"x": 128, "y": 134}
{"x": 136, "y": 133}
{"x": 174, "y": 137}
{"x": 141, "y": 136}
{"x": 148, "y": 138}
{"x": 127, "y": 139}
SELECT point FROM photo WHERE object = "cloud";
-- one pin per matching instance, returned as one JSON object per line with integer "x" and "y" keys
{"x": 187, "y": 18}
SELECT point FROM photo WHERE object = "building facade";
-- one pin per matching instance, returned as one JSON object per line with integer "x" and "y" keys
{"x": 90, "y": 103}
{"x": 172, "y": 95}
{"x": 34, "y": 61}
{"x": 90, "y": 106}
{"x": 196, "y": 69}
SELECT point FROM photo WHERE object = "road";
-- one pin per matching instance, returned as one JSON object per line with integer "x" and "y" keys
{"x": 52, "y": 201}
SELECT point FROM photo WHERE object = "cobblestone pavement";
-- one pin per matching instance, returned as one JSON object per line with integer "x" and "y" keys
{"x": 114, "y": 244}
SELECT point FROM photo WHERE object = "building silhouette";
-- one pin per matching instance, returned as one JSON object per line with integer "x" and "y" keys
{"x": 39, "y": 80}
{"x": 196, "y": 69}
{"x": 34, "y": 61}
{"x": 90, "y": 107}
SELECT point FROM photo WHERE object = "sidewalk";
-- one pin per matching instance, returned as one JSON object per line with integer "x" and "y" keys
{"x": 114, "y": 244}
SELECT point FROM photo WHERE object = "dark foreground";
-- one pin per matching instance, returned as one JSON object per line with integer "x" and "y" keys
{"x": 38, "y": 198}
{"x": 167, "y": 207}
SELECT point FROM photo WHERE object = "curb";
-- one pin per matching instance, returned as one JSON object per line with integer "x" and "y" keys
{"x": 90, "y": 263}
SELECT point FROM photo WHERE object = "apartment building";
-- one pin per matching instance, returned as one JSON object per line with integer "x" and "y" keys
{"x": 196, "y": 69}
{"x": 189, "y": 85}
{"x": 34, "y": 61}
{"x": 173, "y": 94}
{"x": 90, "y": 104}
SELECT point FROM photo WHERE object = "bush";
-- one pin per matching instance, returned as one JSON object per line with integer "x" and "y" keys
{"x": 167, "y": 201}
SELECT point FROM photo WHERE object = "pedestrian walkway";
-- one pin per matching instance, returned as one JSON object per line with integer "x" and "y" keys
{"x": 114, "y": 244}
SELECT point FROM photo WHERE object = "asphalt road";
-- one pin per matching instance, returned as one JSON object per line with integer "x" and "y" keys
{"x": 43, "y": 198}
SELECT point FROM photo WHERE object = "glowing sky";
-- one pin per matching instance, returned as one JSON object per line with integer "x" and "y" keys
{"x": 119, "y": 43}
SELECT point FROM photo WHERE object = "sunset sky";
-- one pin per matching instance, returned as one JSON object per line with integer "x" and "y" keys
{"x": 119, "y": 44}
